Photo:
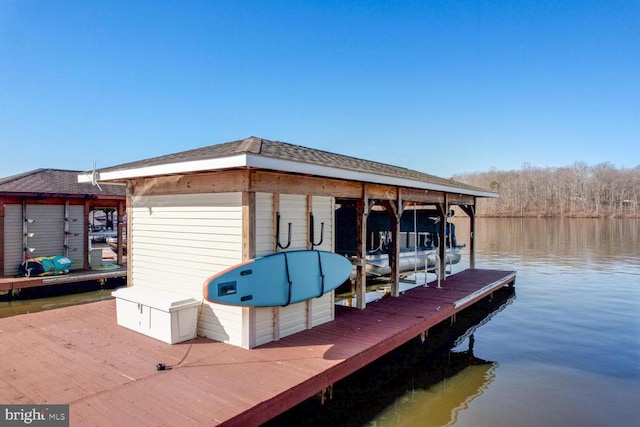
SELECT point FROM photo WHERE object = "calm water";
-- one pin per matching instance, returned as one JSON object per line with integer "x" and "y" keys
{"x": 51, "y": 297}
{"x": 564, "y": 352}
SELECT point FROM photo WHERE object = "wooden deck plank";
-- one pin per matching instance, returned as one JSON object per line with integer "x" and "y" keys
{"x": 78, "y": 355}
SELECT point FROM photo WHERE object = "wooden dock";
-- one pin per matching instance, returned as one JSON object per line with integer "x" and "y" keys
{"x": 78, "y": 355}
{"x": 10, "y": 284}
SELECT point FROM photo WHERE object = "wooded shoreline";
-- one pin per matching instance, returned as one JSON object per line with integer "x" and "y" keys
{"x": 577, "y": 191}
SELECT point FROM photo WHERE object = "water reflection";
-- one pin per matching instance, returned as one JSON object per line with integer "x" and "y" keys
{"x": 584, "y": 242}
{"x": 418, "y": 384}
{"x": 31, "y": 300}
{"x": 433, "y": 406}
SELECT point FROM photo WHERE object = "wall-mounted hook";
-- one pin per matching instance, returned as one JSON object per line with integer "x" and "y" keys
{"x": 278, "y": 233}
{"x": 312, "y": 231}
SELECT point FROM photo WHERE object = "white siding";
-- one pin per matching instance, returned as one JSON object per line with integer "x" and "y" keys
{"x": 264, "y": 224}
{"x": 293, "y": 318}
{"x": 47, "y": 229}
{"x": 322, "y": 309}
{"x": 264, "y": 316}
{"x": 264, "y": 324}
{"x": 293, "y": 209}
{"x": 180, "y": 240}
{"x": 323, "y": 208}
{"x": 13, "y": 254}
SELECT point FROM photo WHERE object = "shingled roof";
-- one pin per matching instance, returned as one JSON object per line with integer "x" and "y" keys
{"x": 192, "y": 161}
{"x": 55, "y": 182}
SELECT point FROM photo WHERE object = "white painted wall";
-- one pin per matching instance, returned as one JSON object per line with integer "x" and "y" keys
{"x": 180, "y": 240}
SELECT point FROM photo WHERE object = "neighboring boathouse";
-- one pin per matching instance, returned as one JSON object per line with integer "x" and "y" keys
{"x": 195, "y": 213}
{"x": 46, "y": 212}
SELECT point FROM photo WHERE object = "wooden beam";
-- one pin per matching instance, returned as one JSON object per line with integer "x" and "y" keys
{"x": 2, "y": 247}
{"x": 309, "y": 213}
{"x": 442, "y": 243}
{"x": 209, "y": 182}
{"x": 248, "y": 225}
{"x": 275, "y": 311}
{"x": 460, "y": 199}
{"x": 428, "y": 197}
{"x": 471, "y": 212}
{"x": 248, "y": 252}
{"x": 382, "y": 192}
{"x": 309, "y": 303}
{"x": 275, "y": 202}
{"x": 395, "y": 209}
{"x": 362, "y": 210}
{"x": 130, "y": 191}
{"x": 274, "y": 182}
{"x": 120, "y": 228}
{"x": 394, "y": 255}
{"x": 87, "y": 239}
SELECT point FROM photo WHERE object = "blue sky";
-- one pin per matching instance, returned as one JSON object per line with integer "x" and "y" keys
{"x": 443, "y": 87}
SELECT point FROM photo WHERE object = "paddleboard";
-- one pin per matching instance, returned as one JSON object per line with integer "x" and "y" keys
{"x": 279, "y": 279}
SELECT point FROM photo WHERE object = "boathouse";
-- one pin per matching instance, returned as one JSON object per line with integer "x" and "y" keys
{"x": 46, "y": 212}
{"x": 195, "y": 213}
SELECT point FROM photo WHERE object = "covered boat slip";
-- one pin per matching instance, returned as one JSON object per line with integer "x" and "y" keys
{"x": 195, "y": 213}
{"x": 46, "y": 213}
{"x": 78, "y": 355}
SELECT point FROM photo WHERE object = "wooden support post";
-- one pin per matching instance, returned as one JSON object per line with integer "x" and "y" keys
{"x": 309, "y": 213}
{"x": 275, "y": 311}
{"x": 395, "y": 209}
{"x": 248, "y": 252}
{"x": 442, "y": 242}
{"x": 309, "y": 303}
{"x": 394, "y": 256}
{"x": 2, "y": 245}
{"x": 470, "y": 210}
{"x": 130, "y": 191}
{"x": 87, "y": 240}
{"x": 120, "y": 228}
{"x": 362, "y": 210}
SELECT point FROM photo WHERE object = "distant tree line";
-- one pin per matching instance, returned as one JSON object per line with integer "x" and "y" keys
{"x": 574, "y": 191}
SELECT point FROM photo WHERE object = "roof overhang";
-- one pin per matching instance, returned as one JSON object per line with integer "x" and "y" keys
{"x": 270, "y": 163}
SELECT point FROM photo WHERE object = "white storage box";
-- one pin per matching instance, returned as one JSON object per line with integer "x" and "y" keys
{"x": 165, "y": 316}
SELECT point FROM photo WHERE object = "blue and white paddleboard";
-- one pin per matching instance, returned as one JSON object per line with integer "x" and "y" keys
{"x": 277, "y": 280}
